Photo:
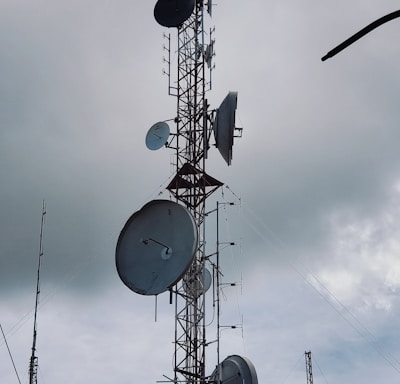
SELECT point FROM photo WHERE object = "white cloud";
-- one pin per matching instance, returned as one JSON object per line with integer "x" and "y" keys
{"x": 364, "y": 266}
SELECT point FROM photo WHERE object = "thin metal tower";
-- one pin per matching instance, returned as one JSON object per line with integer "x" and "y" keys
{"x": 308, "y": 367}
{"x": 192, "y": 185}
{"x": 33, "y": 363}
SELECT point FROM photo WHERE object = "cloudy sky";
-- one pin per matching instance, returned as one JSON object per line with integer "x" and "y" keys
{"x": 315, "y": 179}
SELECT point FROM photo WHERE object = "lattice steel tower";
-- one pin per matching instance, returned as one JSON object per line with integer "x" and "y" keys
{"x": 191, "y": 185}
{"x": 33, "y": 361}
{"x": 309, "y": 373}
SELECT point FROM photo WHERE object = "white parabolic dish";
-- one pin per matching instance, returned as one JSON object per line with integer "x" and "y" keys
{"x": 197, "y": 283}
{"x": 157, "y": 135}
{"x": 156, "y": 247}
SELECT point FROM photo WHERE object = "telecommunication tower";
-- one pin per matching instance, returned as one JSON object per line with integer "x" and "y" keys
{"x": 162, "y": 246}
{"x": 33, "y": 362}
{"x": 308, "y": 367}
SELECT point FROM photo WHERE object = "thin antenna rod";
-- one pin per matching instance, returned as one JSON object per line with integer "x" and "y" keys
{"x": 9, "y": 352}
{"x": 218, "y": 296}
{"x": 33, "y": 364}
{"x": 361, "y": 33}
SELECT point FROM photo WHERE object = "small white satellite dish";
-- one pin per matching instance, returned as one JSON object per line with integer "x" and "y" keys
{"x": 197, "y": 282}
{"x": 156, "y": 247}
{"x": 173, "y": 13}
{"x": 157, "y": 135}
{"x": 224, "y": 126}
{"x": 235, "y": 370}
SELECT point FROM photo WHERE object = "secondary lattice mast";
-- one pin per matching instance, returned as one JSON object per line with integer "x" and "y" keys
{"x": 308, "y": 367}
{"x": 33, "y": 362}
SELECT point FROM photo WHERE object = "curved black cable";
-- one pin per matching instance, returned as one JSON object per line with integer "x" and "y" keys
{"x": 361, "y": 33}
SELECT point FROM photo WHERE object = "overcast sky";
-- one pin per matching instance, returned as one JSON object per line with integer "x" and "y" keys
{"x": 315, "y": 179}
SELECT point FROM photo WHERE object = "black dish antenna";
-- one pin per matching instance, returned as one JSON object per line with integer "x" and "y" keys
{"x": 173, "y": 13}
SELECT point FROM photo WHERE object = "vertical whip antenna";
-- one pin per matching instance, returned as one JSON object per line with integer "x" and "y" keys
{"x": 33, "y": 363}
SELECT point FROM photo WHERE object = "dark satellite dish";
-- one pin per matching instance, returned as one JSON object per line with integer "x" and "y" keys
{"x": 224, "y": 126}
{"x": 209, "y": 7}
{"x": 197, "y": 282}
{"x": 235, "y": 370}
{"x": 156, "y": 247}
{"x": 173, "y": 13}
{"x": 157, "y": 136}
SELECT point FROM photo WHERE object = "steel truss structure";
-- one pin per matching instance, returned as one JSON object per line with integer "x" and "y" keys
{"x": 192, "y": 186}
{"x": 309, "y": 373}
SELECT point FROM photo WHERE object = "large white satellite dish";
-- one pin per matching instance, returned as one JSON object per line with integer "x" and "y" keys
{"x": 156, "y": 247}
{"x": 235, "y": 369}
{"x": 224, "y": 126}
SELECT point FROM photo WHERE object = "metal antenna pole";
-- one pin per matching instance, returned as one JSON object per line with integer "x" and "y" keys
{"x": 308, "y": 367}
{"x": 218, "y": 300}
{"x": 33, "y": 363}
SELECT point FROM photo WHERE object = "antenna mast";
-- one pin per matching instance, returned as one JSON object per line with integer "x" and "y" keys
{"x": 308, "y": 367}
{"x": 191, "y": 186}
{"x": 33, "y": 363}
